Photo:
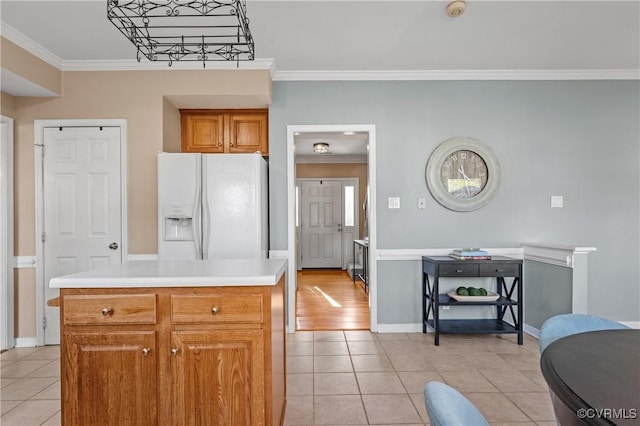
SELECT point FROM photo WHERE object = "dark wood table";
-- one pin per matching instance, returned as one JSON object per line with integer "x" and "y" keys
{"x": 594, "y": 377}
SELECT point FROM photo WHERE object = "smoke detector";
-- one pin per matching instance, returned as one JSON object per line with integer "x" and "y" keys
{"x": 456, "y": 8}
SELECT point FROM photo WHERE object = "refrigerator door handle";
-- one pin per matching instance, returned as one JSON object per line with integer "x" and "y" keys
{"x": 206, "y": 213}
{"x": 197, "y": 221}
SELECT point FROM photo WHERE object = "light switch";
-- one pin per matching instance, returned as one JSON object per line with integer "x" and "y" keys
{"x": 557, "y": 201}
{"x": 394, "y": 202}
{"x": 422, "y": 203}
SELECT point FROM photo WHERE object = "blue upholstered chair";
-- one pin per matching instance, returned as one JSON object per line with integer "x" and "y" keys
{"x": 448, "y": 407}
{"x": 565, "y": 325}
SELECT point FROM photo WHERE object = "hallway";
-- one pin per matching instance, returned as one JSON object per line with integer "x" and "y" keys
{"x": 328, "y": 299}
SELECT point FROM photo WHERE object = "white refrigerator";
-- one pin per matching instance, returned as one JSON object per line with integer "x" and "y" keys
{"x": 212, "y": 206}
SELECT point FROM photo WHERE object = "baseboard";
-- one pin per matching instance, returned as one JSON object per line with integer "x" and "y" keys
{"x": 138, "y": 257}
{"x": 400, "y": 328}
{"x": 531, "y": 331}
{"x": 26, "y": 342}
{"x": 632, "y": 324}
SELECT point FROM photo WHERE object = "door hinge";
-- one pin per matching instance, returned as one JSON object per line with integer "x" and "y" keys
{"x": 44, "y": 237}
{"x": 44, "y": 322}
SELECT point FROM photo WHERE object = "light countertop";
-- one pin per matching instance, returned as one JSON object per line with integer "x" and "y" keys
{"x": 178, "y": 273}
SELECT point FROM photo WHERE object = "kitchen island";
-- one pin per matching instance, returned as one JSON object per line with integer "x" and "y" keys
{"x": 174, "y": 343}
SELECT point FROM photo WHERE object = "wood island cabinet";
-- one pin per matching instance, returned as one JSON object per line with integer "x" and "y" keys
{"x": 173, "y": 356}
{"x": 225, "y": 131}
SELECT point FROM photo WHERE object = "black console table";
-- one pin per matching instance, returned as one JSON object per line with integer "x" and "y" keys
{"x": 499, "y": 267}
{"x": 364, "y": 244}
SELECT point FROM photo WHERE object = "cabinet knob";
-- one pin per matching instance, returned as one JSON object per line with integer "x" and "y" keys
{"x": 220, "y": 143}
{"x": 174, "y": 351}
{"x": 145, "y": 351}
{"x": 214, "y": 310}
{"x": 106, "y": 311}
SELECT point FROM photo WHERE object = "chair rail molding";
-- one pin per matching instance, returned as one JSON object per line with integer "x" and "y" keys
{"x": 416, "y": 254}
{"x": 555, "y": 254}
{"x": 567, "y": 256}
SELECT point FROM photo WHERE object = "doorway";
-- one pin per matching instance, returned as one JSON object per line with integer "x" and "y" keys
{"x": 327, "y": 219}
{"x": 294, "y": 152}
{"x": 80, "y": 206}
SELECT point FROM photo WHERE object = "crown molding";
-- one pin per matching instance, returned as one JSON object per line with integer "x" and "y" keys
{"x": 633, "y": 74}
{"x": 29, "y": 45}
{"x": 145, "y": 65}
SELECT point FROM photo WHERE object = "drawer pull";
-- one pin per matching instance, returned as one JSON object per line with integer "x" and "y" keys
{"x": 499, "y": 270}
{"x": 106, "y": 311}
{"x": 174, "y": 351}
{"x": 214, "y": 310}
{"x": 145, "y": 351}
{"x": 458, "y": 270}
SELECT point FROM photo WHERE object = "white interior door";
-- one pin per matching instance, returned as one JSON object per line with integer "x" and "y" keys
{"x": 321, "y": 222}
{"x": 82, "y": 206}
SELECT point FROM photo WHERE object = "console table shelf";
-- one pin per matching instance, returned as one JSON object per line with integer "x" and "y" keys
{"x": 509, "y": 300}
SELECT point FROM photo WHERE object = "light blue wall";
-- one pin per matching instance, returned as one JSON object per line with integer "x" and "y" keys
{"x": 551, "y": 295}
{"x": 578, "y": 139}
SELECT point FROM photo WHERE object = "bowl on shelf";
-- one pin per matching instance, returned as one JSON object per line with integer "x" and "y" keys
{"x": 490, "y": 297}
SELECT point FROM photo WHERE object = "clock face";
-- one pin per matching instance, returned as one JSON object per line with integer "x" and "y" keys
{"x": 464, "y": 174}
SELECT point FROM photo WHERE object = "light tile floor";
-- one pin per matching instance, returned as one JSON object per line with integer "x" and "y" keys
{"x": 343, "y": 378}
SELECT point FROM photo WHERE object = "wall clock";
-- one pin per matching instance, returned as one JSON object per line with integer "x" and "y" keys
{"x": 462, "y": 174}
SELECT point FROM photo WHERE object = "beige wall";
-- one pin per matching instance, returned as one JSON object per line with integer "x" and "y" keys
{"x": 171, "y": 131}
{"x": 25, "y": 65}
{"x": 7, "y": 105}
{"x": 338, "y": 170}
{"x": 149, "y": 101}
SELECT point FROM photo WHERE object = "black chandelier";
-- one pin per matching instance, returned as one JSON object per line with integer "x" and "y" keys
{"x": 185, "y": 30}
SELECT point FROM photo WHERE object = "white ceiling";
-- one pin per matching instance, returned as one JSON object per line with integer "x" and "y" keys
{"x": 343, "y": 147}
{"x": 338, "y": 39}
{"x": 308, "y": 36}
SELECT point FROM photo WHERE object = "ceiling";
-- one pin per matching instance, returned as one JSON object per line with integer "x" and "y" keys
{"x": 307, "y": 36}
{"x": 376, "y": 39}
{"x": 343, "y": 147}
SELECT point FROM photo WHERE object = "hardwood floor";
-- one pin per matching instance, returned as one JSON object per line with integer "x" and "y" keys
{"x": 327, "y": 299}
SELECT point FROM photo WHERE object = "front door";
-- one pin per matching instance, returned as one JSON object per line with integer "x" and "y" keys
{"x": 82, "y": 206}
{"x": 321, "y": 221}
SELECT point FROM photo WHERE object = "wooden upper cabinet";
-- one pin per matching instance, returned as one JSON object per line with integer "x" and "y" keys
{"x": 225, "y": 131}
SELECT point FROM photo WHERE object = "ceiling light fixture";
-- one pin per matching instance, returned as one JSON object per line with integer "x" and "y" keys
{"x": 321, "y": 148}
{"x": 185, "y": 30}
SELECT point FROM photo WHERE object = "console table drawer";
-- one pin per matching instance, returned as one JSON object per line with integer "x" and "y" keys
{"x": 458, "y": 270}
{"x": 500, "y": 270}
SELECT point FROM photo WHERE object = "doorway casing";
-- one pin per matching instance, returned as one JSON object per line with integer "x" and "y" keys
{"x": 7, "y": 260}
{"x": 291, "y": 210}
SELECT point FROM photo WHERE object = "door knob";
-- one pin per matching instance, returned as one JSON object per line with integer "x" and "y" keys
{"x": 339, "y": 228}
{"x": 113, "y": 246}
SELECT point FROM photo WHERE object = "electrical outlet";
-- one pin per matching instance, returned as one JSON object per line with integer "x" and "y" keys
{"x": 557, "y": 201}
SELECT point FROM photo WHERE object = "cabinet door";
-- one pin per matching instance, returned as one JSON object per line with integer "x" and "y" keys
{"x": 202, "y": 132}
{"x": 248, "y": 133}
{"x": 218, "y": 377}
{"x": 109, "y": 378}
